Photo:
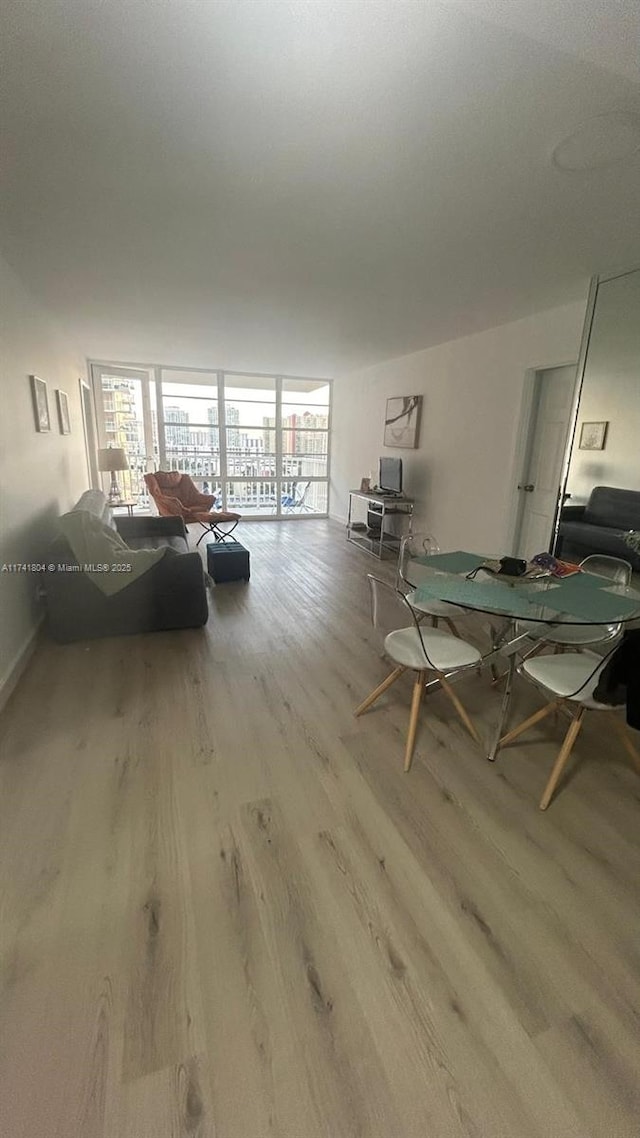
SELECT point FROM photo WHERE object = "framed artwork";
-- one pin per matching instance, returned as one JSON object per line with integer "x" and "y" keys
{"x": 402, "y": 421}
{"x": 63, "y": 412}
{"x": 40, "y": 403}
{"x": 593, "y": 436}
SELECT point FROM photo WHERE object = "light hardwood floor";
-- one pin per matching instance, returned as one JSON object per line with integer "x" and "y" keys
{"x": 227, "y": 912}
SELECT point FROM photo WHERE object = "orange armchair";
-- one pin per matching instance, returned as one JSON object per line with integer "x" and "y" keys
{"x": 175, "y": 494}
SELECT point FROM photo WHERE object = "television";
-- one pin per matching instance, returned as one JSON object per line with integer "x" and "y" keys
{"x": 390, "y": 475}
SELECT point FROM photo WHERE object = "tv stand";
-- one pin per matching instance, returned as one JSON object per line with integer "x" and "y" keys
{"x": 376, "y": 536}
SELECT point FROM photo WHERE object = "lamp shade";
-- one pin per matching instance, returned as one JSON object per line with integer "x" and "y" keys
{"x": 112, "y": 458}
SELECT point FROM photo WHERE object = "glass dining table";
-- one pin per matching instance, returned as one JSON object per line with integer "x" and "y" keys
{"x": 544, "y": 602}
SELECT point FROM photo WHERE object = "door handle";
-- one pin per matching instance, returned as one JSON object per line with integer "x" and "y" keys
{"x": 528, "y": 487}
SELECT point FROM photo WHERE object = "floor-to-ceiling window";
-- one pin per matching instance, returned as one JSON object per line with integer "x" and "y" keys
{"x": 125, "y": 412}
{"x": 251, "y": 459}
{"x": 260, "y": 443}
{"x": 304, "y": 435}
{"x": 189, "y": 432}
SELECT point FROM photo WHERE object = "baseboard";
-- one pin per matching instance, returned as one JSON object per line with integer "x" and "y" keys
{"x": 18, "y": 667}
{"x": 339, "y": 518}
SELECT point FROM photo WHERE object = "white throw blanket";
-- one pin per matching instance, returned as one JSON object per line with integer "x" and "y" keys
{"x": 102, "y": 554}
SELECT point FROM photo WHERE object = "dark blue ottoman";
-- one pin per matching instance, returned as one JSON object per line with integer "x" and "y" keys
{"x": 227, "y": 561}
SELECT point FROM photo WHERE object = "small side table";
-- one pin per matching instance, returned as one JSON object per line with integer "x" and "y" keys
{"x": 126, "y": 503}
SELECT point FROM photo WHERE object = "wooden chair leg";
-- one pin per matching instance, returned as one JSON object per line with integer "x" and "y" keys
{"x": 451, "y": 626}
{"x": 395, "y": 675}
{"x": 561, "y": 761}
{"x": 535, "y": 718}
{"x": 626, "y": 742}
{"x": 459, "y": 707}
{"x": 416, "y": 700}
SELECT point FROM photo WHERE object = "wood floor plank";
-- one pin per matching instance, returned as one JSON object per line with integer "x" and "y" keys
{"x": 171, "y": 1103}
{"x": 324, "y": 1045}
{"x": 597, "y": 1060}
{"x": 444, "y": 1009}
{"x": 161, "y": 1024}
{"x": 226, "y": 912}
{"x": 540, "y": 961}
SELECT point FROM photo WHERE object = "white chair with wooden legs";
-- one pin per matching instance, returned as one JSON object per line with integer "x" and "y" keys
{"x": 411, "y": 574}
{"x": 618, "y": 572}
{"x": 571, "y": 678}
{"x": 428, "y": 652}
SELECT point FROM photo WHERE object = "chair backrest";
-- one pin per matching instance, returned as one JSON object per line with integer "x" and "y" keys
{"x": 164, "y": 482}
{"x": 614, "y": 568}
{"x": 301, "y": 493}
{"x": 410, "y": 573}
{"x": 391, "y": 611}
{"x": 188, "y": 492}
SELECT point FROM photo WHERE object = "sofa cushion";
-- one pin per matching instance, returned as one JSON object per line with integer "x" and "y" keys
{"x": 614, "y": 507}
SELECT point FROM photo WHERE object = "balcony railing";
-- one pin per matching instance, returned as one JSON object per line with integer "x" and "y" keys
{"x": 252, "y": 489}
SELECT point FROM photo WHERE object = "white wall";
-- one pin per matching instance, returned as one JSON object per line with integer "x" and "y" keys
{"x": 463, "y": 472}
{"x": 41, "y": 475}
{"x": 611, "y": 392}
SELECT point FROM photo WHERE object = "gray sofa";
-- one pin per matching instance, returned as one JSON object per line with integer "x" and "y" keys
{"x": 171, "y": 594}
{"x": 602, "y": 525}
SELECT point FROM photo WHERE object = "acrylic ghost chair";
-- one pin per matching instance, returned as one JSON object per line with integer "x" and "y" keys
{"x": 577, "y": 636}
{"x": 571, "y": 679}
{"x": 615, "y": 570}
{"x": 411, "y": 573}
{"x": 428, "y": 652}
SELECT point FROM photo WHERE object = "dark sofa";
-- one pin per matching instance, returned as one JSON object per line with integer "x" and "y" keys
{"x": 602, "y": 525}
{"x": 171, "y": 594}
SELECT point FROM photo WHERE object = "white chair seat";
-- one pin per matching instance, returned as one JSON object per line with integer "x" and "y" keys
{"x": 433, "y": 607}
{"x": 571, "y": 675}
{"x": 569, "y": 633}
{"x": 445, "y": 652}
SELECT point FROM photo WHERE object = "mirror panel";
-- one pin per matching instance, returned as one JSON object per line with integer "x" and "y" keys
{"x": 601, "y": 513}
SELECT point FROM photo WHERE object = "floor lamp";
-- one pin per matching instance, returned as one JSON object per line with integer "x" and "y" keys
{"x": 111, "y": 460}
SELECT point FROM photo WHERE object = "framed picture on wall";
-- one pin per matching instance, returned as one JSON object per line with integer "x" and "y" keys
{"x": 402, "y": 421}
{"x": 40, "y": 403}
{"x": 593, "y": 436}
{"x": 63, "y": 412}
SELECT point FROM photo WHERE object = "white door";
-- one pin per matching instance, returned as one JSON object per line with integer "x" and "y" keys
{"x": 540, "y": 482}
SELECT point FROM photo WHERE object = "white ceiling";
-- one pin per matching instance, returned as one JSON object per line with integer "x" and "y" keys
{"x": 308, "y": 186}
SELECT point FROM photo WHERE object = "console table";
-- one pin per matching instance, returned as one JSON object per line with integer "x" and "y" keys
{"x": 374, "y": 536}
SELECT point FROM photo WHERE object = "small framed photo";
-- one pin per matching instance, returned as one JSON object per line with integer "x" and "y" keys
{"x": 63, "y": 412}
{"x": 593, "y": 436}
{"x": 40, "y": 403}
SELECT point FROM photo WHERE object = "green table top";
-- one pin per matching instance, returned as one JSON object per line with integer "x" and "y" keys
{"x": 581, "y": 599}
